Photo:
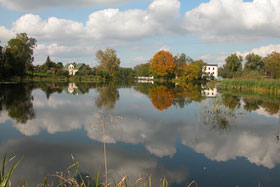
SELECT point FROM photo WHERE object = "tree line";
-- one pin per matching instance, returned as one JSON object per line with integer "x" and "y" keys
{"x": 16, "y": 59}
{"x": 255, "y": 66}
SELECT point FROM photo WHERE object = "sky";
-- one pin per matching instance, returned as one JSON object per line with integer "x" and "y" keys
{"x": 73, "y": 30}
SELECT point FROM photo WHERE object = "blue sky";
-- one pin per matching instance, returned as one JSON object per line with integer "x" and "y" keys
{"x": 72, "y": 30}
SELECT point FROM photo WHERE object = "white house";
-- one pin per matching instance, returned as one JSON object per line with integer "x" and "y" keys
{"x": 73, "y": 68}
{"x": 210, "y": 71}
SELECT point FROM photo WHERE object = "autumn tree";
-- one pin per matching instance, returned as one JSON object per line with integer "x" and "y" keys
{"x": 108, "y": 62}
{"x": 162, "y": 64}
{"x": 272, "y": 65}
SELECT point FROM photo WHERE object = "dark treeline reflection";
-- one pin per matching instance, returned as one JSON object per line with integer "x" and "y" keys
{"x": 251, "y": 101}
{"x": 16, "y": 99}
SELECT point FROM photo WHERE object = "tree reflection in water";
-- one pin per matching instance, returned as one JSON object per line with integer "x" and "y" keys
{"x": 108, "y": 96}
{"x": 218, "y": 114}
{"x": 164, "y": 96}
{"x": 17, "y": 100}
{"x": 161, "y": 97}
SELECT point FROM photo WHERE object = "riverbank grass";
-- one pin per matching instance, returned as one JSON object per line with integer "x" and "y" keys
{"x": 270, "y": 86}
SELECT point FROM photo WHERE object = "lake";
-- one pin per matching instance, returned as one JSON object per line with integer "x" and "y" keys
{"x": 182, "y": 133}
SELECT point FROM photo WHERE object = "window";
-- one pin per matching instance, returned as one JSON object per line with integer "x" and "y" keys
{"x": 208, "y": 68}
{"x": 213, "y": 68}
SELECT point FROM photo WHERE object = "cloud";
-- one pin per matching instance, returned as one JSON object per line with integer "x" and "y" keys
{"x": 234, "y": 20}
{"x": 262, "y": 51}
{"x": 5, "y": 34}
{"x": 52, "y": 29}
{"x": 35, "y": 5}
{"x": 216, "y": 58}
{"x": 107, "y": 24}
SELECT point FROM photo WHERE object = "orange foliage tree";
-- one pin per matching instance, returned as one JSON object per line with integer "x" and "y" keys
{"x": 162, "y": 64}
{"x": 161, "y": 97}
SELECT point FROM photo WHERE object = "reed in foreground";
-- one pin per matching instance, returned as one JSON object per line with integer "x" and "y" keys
{"x": 5, "y": 179}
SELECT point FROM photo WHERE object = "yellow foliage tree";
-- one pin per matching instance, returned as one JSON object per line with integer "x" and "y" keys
{"x": 162, "y": 64}
{"x": 192, "y": 72}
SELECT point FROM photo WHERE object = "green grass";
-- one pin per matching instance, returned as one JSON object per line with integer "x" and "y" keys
{"x": 256, "y": 85}
{"x": 5, "y": 179}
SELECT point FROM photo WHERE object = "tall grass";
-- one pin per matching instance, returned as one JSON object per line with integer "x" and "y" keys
{"x": 263, "y": 85}
{"x": 5, "y": 179}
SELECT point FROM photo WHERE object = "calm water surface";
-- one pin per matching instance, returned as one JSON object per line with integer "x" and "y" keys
{"x": 183, "y": 133}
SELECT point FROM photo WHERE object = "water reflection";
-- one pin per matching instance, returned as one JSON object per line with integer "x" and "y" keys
{"x": 156, "y": 119}
{"x": 45, "y": 158}
{"x": 16, "y": 99}
{"x": 108, "y": 96}
{"x": 164, "y": 96}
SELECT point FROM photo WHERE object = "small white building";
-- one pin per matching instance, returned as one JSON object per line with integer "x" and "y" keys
{"x": 209, "y": 92}
{"x": 73, "y": 68}
{"x": 210, "y": 71}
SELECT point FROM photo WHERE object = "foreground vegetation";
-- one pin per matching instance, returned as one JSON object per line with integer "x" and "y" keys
{"x": 74, "y": 178}
{"x": 269, "y": 86}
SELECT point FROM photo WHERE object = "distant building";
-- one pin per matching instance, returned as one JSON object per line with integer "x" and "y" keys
{"x": 73, "y": 68}
{"x": 145, "y": 78}
{"x": 209, "y": 92}
{"x": 210, "y": 71}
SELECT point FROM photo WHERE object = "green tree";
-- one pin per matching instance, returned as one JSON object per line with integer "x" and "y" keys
{"x": 142, "y": 70}
{"x": 272, "y": 65}
{"x": 108, "y": 62}
{"x": 21, "y": 48}
{"x": 126, "y": 73}
{"x": 233, "y": 66}
{"x": 180, "y": 61}
{"x": 1, "y": 62}
{"x": 47, "y": 66}
{"x": 254, "y": 63}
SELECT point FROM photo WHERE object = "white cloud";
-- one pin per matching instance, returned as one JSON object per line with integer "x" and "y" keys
{"x": 34, "y": 5}
{"x": 5, "y": 34}
{"x": 159, "y": 18}
{"x": 52, "y": 29}
{"x": 262, "y": 51}
{"x": 235, "y": 20}
{"x": 217, "y": 58}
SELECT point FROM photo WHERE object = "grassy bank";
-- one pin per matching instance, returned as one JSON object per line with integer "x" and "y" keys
{"x": 268, "y": 86}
